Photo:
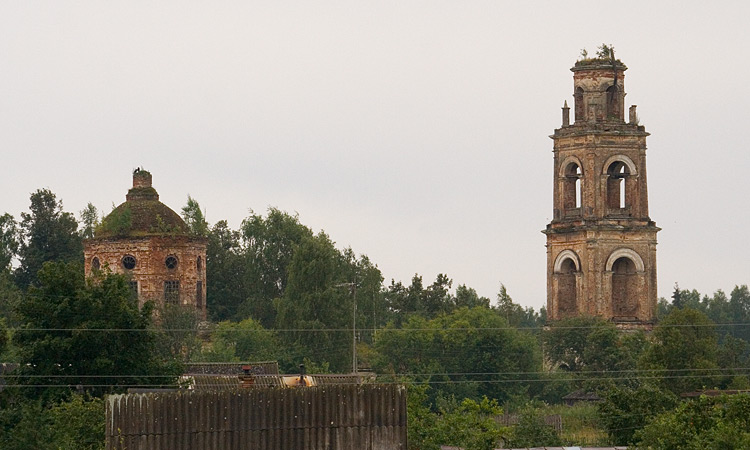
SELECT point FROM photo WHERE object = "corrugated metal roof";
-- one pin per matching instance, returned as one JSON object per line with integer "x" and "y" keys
{"x": 206, "y": 382}
{"x": 364, "y": 417}
{"x": 232, "y": 368}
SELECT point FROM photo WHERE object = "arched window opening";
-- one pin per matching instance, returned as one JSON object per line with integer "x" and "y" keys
{"x": 613, "y": 102}
{"x": 579, "y": 109}
{"x": 170, "y": 262}
{"x": 128, "y": 262}
{"x": 566, "y": 288}
{"x": 618, "y": 173}
{"x": 572, "y": 194}
{"x": 624, "y": 287}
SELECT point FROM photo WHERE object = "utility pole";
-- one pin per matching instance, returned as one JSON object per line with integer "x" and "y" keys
{"x": 353, "y": 289}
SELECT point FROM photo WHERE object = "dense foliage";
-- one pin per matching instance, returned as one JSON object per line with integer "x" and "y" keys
{"x": 440, "y": 351}
{"x": 280, "y": 291}
{"x": 47, "y": 233}
{"x": 721, "y": 423}
{"x": 89, "y": 333}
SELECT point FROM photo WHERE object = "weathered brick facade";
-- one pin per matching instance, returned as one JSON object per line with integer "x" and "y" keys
{"x": 146, "y": 240}
{"x": 601, "y": 243}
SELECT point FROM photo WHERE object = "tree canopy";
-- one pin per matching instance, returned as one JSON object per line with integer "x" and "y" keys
{"x": 47, "y": 234}
{"x": 85, "y": 332}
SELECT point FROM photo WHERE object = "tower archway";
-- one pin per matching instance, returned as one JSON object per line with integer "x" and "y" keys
{"x": 567, "y": 272}
{"x": 571, "y": 176}
{"x": 621, "y": 174}
{"x": 580, "y": 112}
{"x": 614, "y": 110}
{"x": 627, "y": 268}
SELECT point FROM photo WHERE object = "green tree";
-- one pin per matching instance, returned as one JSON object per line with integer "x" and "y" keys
{"x": 721, "y": 423}
{"x": 26, "y": 425}
{"x": 683, "y": 352}
{"x": 48, "y": 234}
{"x": 416, "y": 299}
{"x": 226, "y": 269}
{"x": 677, "y": 297}
{"x": 503, "y": 361}
{"x": 366, "y": 287}
{"x": 532, "y": 430}
{"x": 315, "y": 310}
{"x": 594, "y": 350}
{"x": 605, "y": 51}
{"x": 195, "y": 218}
{"x": 663, "y": 307}
{"x": 10, "y": 294}
{"x": 567, "y": 344}
{"x": 243, "y": 341}
{"x": 469, "y": 424}
{"x": 176, "y": 332}
{"x": 75, "y": 424}
{"x": 467, "y": 297}
{"x": 89, "y": 221}
{"x": 78, "y": 424}
{"x": 515, "y": 314}
{"x": 623, "y": 411}
{"x": 421, "y": 420}
{"x": 8, "y": 241}
{"x": 733, "y": 357}
{"x": 269, "y": 244}
{"x": 85, "y": 332}
{"x": 739, "y": 307}
{"x": 718, "y": 310}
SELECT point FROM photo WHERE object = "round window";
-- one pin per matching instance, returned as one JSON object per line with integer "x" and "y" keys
{"x": 128, "y": 262}
{"x": 95, "y": 264}
{"x": 171, "y": 262}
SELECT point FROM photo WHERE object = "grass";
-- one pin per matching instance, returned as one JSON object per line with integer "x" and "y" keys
{"x": 580, "y": 424}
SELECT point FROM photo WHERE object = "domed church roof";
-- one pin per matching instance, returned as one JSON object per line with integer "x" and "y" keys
{"x": 142, "y": 214}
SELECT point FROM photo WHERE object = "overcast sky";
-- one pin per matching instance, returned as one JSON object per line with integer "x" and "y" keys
{"x": 415, "y": 132}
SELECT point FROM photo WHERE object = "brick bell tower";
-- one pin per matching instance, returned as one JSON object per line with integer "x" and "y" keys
{"x": 601, "y": 243}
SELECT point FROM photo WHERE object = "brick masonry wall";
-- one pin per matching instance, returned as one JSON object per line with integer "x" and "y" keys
{"x": 150, "y": 253}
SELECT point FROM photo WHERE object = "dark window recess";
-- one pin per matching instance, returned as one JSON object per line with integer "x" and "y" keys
{"x": 95, "y": 264}
{"x": 624, "y": 288}
{"x": 199, "y": 264}
{"x": 172, "y": 292}
{"x": 199, "y": 294}
{"x": 128, "y": 262}
{"x": 171, "y": 262}
{"x": 133, "y": 286}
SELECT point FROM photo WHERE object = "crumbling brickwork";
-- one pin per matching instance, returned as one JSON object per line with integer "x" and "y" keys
{"x": 601, "y": 243}
{"x": 149, "y": 242}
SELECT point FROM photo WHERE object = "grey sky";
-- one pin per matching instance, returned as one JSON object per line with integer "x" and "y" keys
{"x": 415, "y": 132}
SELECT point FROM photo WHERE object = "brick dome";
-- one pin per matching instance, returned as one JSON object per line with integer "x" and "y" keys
{"x": 150, "y": 244}
{"x": 142, "y": 214}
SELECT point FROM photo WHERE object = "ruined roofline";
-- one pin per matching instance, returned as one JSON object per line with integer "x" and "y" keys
{"x": 597, "y": 63}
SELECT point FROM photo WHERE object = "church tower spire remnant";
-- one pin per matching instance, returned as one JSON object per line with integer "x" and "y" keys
{"x": 601, "y": 243}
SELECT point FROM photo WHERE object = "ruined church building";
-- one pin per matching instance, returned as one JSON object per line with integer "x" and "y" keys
{"x": 601, "y": 243}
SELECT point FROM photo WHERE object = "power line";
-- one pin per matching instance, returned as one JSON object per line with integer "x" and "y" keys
{"x": 373, "y": 330}
{"x": 422, "y": 374}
